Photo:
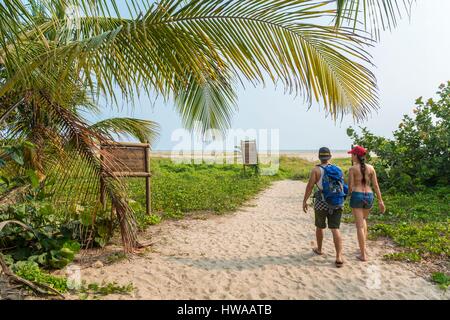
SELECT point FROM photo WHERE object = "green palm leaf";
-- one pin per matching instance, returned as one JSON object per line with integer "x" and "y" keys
{"x": 374, "y": 15}
{"x": 143, "y": 130}
{"x": 174, "y": 42}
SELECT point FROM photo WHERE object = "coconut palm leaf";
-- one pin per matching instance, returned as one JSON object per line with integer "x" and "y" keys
{"x": 142, "y": 130}
{"x": 195, "y": 52}
{"x": 174, "y": 42}
{"x": 374, "y": 15}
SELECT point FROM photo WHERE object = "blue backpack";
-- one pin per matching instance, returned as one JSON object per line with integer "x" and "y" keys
{"x": 334, "y": 188}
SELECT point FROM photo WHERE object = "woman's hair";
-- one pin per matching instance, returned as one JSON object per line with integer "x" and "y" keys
{"x": 362, "y": 161}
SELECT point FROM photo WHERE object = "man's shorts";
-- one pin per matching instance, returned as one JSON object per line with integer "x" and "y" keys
{"x": 324, "y": 216}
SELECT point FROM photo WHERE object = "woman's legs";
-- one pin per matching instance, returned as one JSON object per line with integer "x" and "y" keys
{"x": 361, "y": 227}
{"x": 366, "y": 216}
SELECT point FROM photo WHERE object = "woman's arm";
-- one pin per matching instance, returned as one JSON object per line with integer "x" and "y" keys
{"x": 376, "y": 186}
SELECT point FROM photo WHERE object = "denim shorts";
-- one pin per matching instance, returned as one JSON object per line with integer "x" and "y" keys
{"x": 362, "y": 200}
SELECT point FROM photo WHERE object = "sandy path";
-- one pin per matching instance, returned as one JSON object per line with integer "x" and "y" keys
{"x": 262, "y": 251}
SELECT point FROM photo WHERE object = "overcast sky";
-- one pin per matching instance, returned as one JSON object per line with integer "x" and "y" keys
{"x": 412, "y": 61}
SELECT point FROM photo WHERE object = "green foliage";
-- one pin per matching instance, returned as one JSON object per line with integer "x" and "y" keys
{"x": 423, "y": 239}
{"x": 116, "y": 257}
{"x": 30, "y": 270}
{"x": 414, "y": 173}
{"x": 295, "y": 168}
{"x": 55, "y": 241}
{"x": 15, "y": 167}
{"x": 403, "y": 256}
{"x": 106, "y": 288}
{"x": 432, "y": 205}
{"x": 441, "y": 279}
{"x": 181, "y": 188}
{"x": 417, "y": 156}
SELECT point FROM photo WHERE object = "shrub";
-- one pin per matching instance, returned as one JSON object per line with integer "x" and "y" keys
{"x": 441, "y": 279}
{"x": 417, "y": 156}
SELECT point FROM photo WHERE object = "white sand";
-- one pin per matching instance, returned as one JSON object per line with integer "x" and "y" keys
{"x": 263, "y": 251}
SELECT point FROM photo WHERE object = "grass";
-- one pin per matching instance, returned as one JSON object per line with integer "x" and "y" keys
{"x": 178, "y": 189}
{"x": 441, "y": 279}
{"x": 418, "y": 223}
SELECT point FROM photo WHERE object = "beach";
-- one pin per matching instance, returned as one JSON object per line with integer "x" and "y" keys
{"x": 261, "y": 251}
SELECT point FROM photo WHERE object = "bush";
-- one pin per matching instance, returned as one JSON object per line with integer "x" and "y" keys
{"x": 423, "y": 239}
{"x": 30, "y": 271}
{"x": 417, "y": 156}
{"x": 441, "y": 279}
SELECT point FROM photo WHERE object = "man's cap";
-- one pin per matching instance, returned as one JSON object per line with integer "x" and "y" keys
{"x": 359, "y": 151}
{"x": 324, "y": 153}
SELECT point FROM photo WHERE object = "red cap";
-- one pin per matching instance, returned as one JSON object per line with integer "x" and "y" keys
{"x": 359, "y": 151}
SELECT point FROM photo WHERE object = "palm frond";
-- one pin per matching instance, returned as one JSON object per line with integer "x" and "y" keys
{"x": 173, "y": 42}
{"x": 277, "y": 38}
{"x": 373, "y": 15}
{"x": 142, "y": 130}
{"x": 86, "y": 144}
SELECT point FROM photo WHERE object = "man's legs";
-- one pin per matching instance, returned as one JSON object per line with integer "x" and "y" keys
{"x": 334, "y": 223}
{"x": 321, "y": 225}
{"x": 337, "y": 244}
{"x": 319, "y": 239}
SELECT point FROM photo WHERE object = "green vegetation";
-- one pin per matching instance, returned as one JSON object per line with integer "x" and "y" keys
{"x": 180, "y": 188}
{"x": 403, "y": 256}
{"x": 417, "y": 157}
{"x": 58, "y": 57}
{"x": 441, "y": 279}
{"x": 52, "y": 74}
{"x": 414, "y": 174}
{"x": 116, "y": 257}
{"x": 30, "y": 271}
{"x": 418, "y": 222}
{"x": 104, "y": 289}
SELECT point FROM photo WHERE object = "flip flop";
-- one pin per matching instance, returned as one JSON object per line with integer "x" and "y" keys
{"x": 339, "y": 264}
{"x": 316, "y": 251}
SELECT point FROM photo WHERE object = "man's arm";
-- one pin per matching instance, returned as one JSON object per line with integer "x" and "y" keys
{"x": 309, "y": 188}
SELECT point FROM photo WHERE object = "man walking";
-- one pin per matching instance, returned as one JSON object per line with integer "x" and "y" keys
{"x": 328, "y": 202}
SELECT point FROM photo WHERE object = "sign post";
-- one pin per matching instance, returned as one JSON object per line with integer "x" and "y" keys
{"x": 130, "y": 160}
{"x": 249, "y": 154}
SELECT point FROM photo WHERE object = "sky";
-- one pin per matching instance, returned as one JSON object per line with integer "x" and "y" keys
{"x": 411, "y": 61}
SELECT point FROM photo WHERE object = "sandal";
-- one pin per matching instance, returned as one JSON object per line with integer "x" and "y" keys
{"x": 339, "y": 264}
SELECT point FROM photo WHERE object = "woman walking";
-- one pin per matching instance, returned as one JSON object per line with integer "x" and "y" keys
{"x": 362, "y": 177}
